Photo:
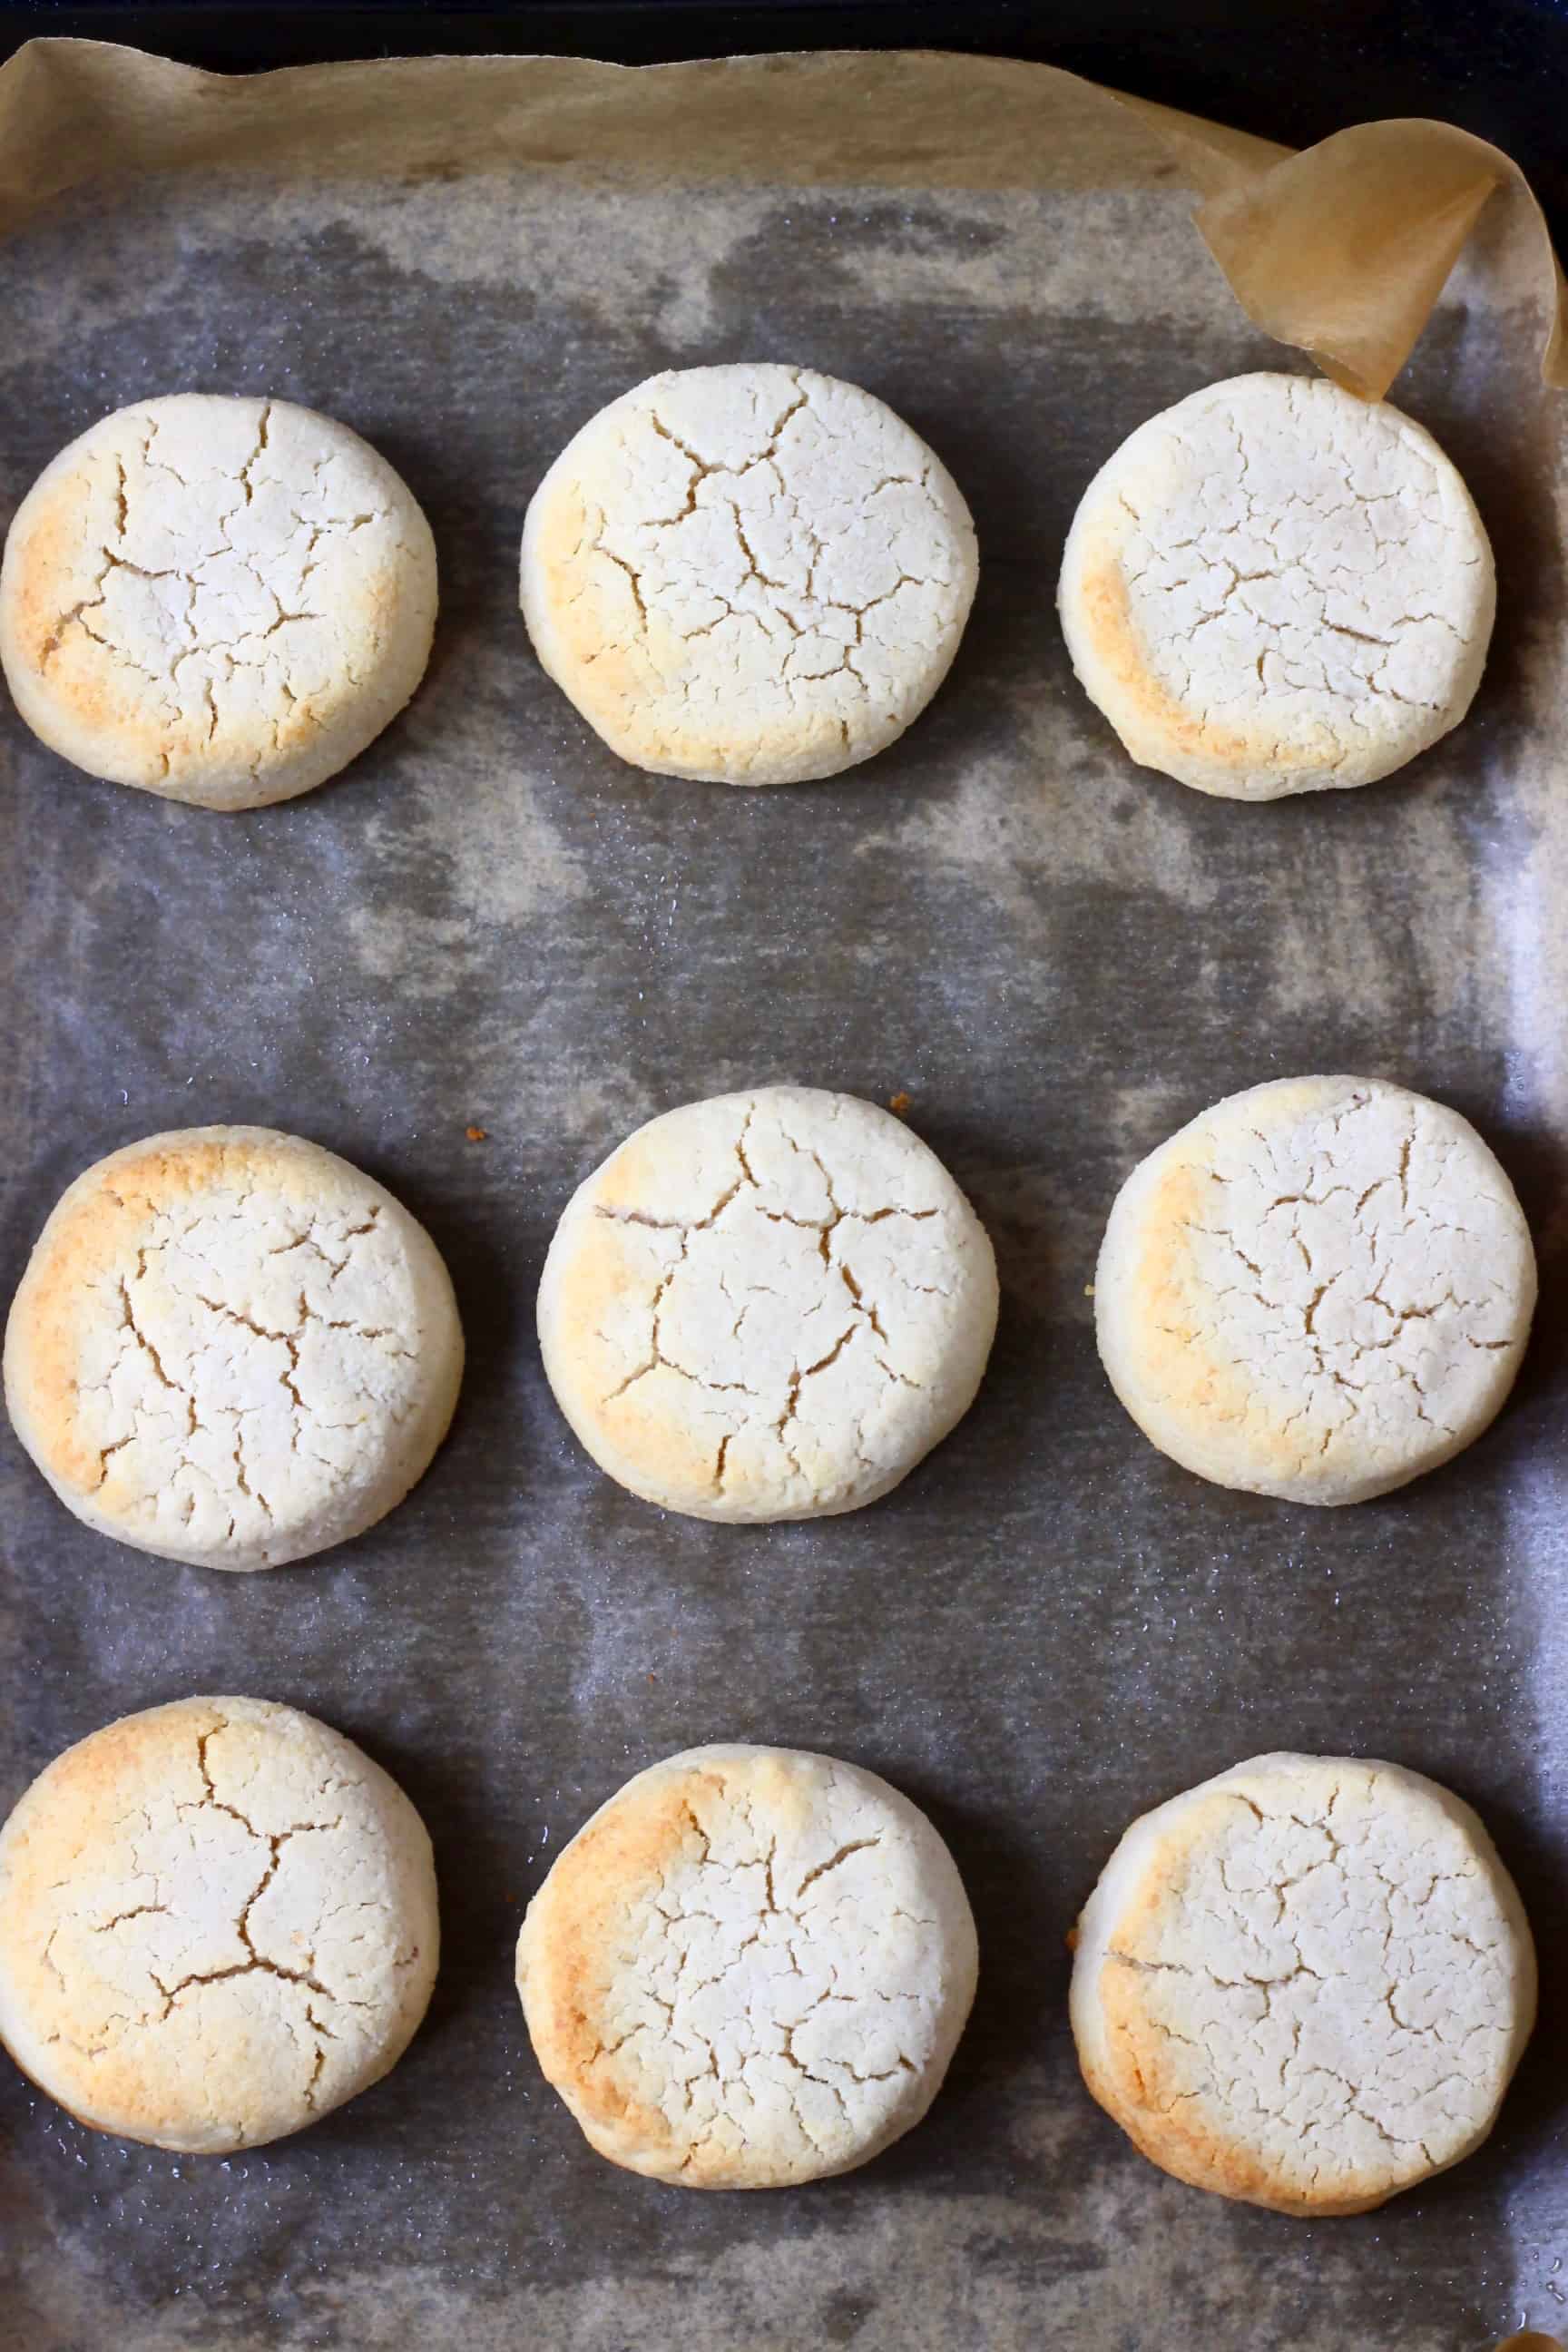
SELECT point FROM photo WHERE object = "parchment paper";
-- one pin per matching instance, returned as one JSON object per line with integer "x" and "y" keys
{"x": 489, "y": 921}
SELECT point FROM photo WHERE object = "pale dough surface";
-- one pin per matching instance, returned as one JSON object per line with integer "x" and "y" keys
{"x": 748, "y": 574}
{"x": 749, "y": 1969}
{"x": 217, "y": 1921}
{"x": 1318, "y": 1290}
{"x": 219, "y": 600}
{"x": 1275, "y": 587}
{"x": 230, "y": 1347}
{"x": 1305, "y": 1983}
{"x": 767, "y": 1305}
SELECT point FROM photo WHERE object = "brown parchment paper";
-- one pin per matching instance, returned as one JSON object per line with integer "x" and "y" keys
{"x": 1341, "y": 250}
{"x": 488, "y": 921}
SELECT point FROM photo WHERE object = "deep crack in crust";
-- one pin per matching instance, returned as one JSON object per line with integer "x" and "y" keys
{"x": 1305, "y": 1984}
{"x": 749, "y": 1969}
{"x": 229, "y": 1347}
{"x": 767, "y": 1305}
{"x": 747, "y": 574}
{"x": 222, "y": 600}
{"x": 1318, "y": 1289}
{"x": 1275, "y": 587}
{"x": 217, "y": 1921}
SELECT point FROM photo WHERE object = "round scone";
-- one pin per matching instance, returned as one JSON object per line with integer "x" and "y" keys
{"x": 748, "y": 574}
{"x": 217, "y": 1921}
{"x": 1305, "y": 1984}
{"x": 220, "y": 600}
{"x": 1275, "y": 587}
{"x": 231, "y": 1347}
{"x": 749, "y": 1968}
{"x": 1318, "y": 1290}
{"x": 767, "y": 1305}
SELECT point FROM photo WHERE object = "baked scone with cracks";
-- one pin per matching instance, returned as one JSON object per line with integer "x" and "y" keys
{"x": 767, "y": 1305}
{"x": 217, "y": 1922}
{"x": 1305, "y": 1984}
{"x": 219, "y": 600}
{"x": 1318, "y": 1290}
{"x": 748, "y": 1969}
{"x": 229, "y": 1347}
{"x": 747, "y": 574}
{"x": 1275, "y": 587}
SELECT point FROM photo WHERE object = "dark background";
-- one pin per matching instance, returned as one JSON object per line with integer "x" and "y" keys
{"x": 1288, "y": 70}
{"x": 1132, "y": 1618}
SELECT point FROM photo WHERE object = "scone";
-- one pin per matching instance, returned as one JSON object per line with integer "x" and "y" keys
{"x": 1318, "y": 1290}
{"x": 749, "y": 575}
{"x": 748, "y": 1969}
{"x": 1275, "y": 587}
{"x": 219, "y": 600}
{"x": 231, "y": 1347}
{"x": 768, "y": 1305}
{"x": 217, "y": 1922}
{"x": 1305, "y": 1984}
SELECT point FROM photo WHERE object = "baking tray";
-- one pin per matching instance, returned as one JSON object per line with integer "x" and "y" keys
{"x": 488, "y": 921}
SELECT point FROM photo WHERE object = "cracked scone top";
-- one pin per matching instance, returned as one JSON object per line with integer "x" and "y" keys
{"x": 217, "y": 1921}
{"x": 747, "y": 574}
{"x": 767, "y": 1305}
{"x": 1275, "y": 587}
{"x": 231, "y": 1347}
{"x": 1305, "y": 1983}
{"x": 1318, "y": 1290}
{"x": 219, "y": 600}
{"x": 749, "y": 1969}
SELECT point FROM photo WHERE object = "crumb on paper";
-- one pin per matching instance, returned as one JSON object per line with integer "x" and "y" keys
{"x": 1089, "y": 1290}
{"x": 1070, "y": 1939}
{"x": 899, "y": 1103}
{"x": 477, "y": 1134}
